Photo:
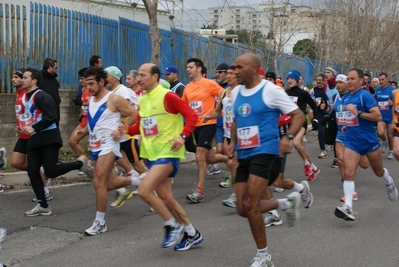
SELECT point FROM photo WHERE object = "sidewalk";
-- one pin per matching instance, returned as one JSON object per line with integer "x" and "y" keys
{"x": 21, "y": 178}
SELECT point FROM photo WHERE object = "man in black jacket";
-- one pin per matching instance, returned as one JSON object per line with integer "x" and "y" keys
{"x": 50, "y": 84}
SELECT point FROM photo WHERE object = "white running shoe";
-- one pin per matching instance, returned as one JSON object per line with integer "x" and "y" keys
{"x": 96, "y": 229}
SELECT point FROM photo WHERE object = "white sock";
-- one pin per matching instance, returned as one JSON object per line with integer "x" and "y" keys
{"x": 170, "y": 222}
{"x": 121, "y": 190}
{"x": 132, "y": 173}
{"x": 190, "y": 230}
{"x": 46, "y": 190}
{"x": 349, "y": 189}
{"x": 100, "y": 217}
{"x": 387, "y": 178}
{"x": 314, "y": 166}
{"x": 274, "y": 212}
{"x": 306, "y": 162}
{"x": 135, "y": 181}
{"x": 263, "y": 251}
{"x": 298, "y": 187}
{"x": 283, "y": 203}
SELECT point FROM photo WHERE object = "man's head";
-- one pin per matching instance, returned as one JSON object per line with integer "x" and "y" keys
{"x": 31, "y": 79}
{"x": 171, "y": 74}
{"x": 149, "y": 75}
{"x": 195, "y": 67}
{"x": 271, "y": 76}
{"x": 342, "y": 83}
{"x": 96, "y": 61}
{"x": 300, "y": 83}
{"x": 293, "y": 77}
{"x": 114, "y": 75}
{"x": 231, "y": 76}
{"x": 394, "y": 84}
{"x": 366, "y": 78}
{"x": 96, "y": 79}
{"x": 383, "y": 77}
{"x": 17, "y": 78}
{"x": 221, "y": 71}
{"x": 330, "y": 73}
{"x": 375, "y": 82}
{"x": 50, "y": 65}
{"x": 355, "y": 79}
{"x": 131, "y": 78}
{"x": 247, "y": 67}
{"x": 81, "y": 73}
{"x": 320, "y": 80}
{"x": 204, "y": 72}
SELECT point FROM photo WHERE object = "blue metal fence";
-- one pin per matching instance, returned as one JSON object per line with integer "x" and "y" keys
{"x": 71, "y": 38}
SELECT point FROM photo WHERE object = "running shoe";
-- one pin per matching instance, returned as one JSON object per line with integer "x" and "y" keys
{"x": 391, "y": 156}
{"x": 48, "y": 196}
{"x": 86, "y": 167}
{"x": 304, "y": 139}
{"x": 307, "y": 197}
{"x": 355, "y": 197}
{"x": 3, "y": 159}
{"x": 172, "y": 235}
{"x": 323, "y": 154}
{"x": 335, "y": 164}
{"x": 227, "y": 181}
{"x": 231, "y": 201}
{"x": 38, "y": 210}
{"x": 121, "y": 198}
{"x": 308, "y": 169}
{"x": 384, "y": 146}
{"x": 262, "y": 261}
{"x": 271, "y": 219}
{"x": 213, "y": 169}
{"x": 195, "y": 196}
{"x": 188, "y": 241}
{"x": 278, "y": 189}
{"x": 96, "y": 229}
{"x": 344, "y": 212}
{"x": 313, "y": 175}
{"x": 392, "y": 191}
{"x": 293, "y": 212}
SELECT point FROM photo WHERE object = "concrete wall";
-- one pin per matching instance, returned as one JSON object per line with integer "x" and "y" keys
{"x": 69, "y": 119}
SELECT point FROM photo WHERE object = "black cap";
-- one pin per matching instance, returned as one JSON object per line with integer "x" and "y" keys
{"x": 222, "y": 67}
{"x": 271, "y": 74}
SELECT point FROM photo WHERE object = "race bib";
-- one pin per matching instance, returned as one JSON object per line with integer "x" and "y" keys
{"x": 150, "y": 126}
{"x": 25, "y": 119}
{"x": 196, "y": 106}
{"x": 228, "y": 121}
{"x": 383, "y": 105}
{"x": 351, "y": 119}
{"x": 294, "y": 99}
{"x": 318, "y": 101}
{"x": 330, "y": 105}
{"x": 248, "y": 137}
{"x": 341, "y": 117}
{"x": 94, "y": 142}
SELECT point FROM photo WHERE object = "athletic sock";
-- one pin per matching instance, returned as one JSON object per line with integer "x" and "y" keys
{"x": 263, "y": 251}
{"x": 387, "y": 178}
{"x": 121, "y": 190}
{"x": 306, "y": 162}
{"x": 132, "y": 173}
{"x": 298, "y": 187}
{"x": 349, "y": 189}
{"x": 190, "y": 230}
{"x": 283, "y": 203}
{"x": 100, "y": 217}
{"x": 170, "y": 222}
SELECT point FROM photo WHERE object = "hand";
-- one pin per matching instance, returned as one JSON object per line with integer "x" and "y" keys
{"x": 18, "y": 129}
{"x": 343, "y": 129}
{"x": 116, "y": 135}
{"x": 390, "y": 102}
{"x": 230, "y": 151}
{"x": 178, "y": 143}
{"x": 352, "y": 108}
{"x": 322, "y": 106}
{"x": 285, "y": 145}
{"x": 206, "y": 118}
{"x": 124, "y": 128}
{"x": 27, "y": 130}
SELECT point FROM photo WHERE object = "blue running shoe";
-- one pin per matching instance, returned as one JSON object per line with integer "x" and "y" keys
{"x": 172, "y": 235}
{"x": 188, "y": 241}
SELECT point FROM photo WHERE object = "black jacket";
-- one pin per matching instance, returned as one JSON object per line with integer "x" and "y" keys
{"x": 51, "y": 86}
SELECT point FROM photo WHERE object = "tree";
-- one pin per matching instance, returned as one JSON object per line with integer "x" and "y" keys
{"x": 305, "y": 48}
{"x": 151, "y": 6}
{"x": 250, "y": 38}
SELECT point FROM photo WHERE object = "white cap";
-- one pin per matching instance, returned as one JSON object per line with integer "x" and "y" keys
{"x": 342, "y": 78}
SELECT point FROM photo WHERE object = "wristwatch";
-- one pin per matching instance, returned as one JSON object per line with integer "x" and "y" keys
{"x": 183, "y": 136}
{"x": 359, "y": 113}
{"x": 290, "y": 136}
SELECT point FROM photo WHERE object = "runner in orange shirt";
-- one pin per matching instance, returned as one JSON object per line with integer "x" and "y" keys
{"x": 200, "y": 95}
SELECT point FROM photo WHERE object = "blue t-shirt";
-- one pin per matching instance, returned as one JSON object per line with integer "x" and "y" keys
{"x": 340, "y": 116}
{"x": 359, "y": 131}
{"x": 382, "y": 96}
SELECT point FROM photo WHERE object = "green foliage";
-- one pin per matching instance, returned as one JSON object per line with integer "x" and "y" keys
{"x": 305, "y": 48}
{"x": 250, "y": 38}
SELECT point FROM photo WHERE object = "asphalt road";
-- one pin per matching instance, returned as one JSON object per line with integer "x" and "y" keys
{"x": 135, "y": 234}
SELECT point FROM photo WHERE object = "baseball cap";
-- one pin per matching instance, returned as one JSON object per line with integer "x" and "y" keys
{"x": 271, "y": 74}
{"x": 114, "y": 71}
{"x": 222, "y": 67}
{"x": 171, "y": 69}
{"x": 261, "y": 71}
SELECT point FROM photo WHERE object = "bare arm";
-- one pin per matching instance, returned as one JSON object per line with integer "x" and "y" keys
{"x": 118, "y": 104}
{"x": 217, "y": 112}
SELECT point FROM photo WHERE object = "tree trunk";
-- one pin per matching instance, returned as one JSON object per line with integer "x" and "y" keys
{"x": 152, "y": 8}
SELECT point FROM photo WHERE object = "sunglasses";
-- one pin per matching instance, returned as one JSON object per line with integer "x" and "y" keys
{"x": 220, "y": 71}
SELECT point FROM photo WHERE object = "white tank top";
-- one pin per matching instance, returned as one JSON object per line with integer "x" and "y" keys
{"x": 227, "y": 115}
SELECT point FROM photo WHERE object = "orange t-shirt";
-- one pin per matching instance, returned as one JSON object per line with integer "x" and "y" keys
{"x": 200, "y": 96}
